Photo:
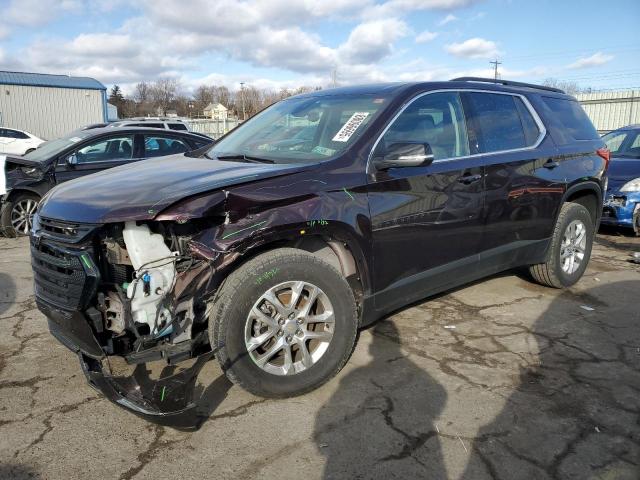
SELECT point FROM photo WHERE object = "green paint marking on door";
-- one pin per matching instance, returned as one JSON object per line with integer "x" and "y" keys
{"x": 348, "y": 193}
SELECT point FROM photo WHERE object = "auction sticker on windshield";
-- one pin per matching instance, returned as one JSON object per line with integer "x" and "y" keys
{"x": 350, "y": 127}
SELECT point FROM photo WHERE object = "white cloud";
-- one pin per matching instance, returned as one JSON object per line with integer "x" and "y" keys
{"x": 426, "y": 36}
{"x": 594, "y": 60}
{"x": 167, "y": 39}
{"x": 371, "y": 41}
{"x": 448, "y": 19}
{"x": 474, "y": 48}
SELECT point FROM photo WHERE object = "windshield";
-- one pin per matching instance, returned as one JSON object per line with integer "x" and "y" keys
{"x": 302, "y": 130}
{"x": 625, "y": 144}
{"x": 51, "y": 148}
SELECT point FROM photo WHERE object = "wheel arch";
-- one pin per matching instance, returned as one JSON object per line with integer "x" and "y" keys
{"x": 343, "y": 254}
{"x": 20, "y": 190}
{"x": 589, "y": 195}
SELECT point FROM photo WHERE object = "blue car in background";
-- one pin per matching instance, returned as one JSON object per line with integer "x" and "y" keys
{"x": 622, "y": 199}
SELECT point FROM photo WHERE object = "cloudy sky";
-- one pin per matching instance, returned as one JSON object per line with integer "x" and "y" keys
{"x": 288, "y": 43}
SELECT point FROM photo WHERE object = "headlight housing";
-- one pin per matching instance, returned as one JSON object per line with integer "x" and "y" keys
{"x": 632, "y": 186}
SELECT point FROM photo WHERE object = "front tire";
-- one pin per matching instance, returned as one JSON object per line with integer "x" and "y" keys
{"x": 17, "y": 214}
{"x": 283, "y": 323}
{"x": 570, "y": 248}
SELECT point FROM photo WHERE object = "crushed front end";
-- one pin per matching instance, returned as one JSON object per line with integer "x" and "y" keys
{"x": 122, "y": 296}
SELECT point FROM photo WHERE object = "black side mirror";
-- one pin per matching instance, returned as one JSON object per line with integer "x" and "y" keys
{"x": 404, "y": 155}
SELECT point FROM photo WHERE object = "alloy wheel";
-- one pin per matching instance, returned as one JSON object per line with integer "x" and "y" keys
{"x": 22, "y": 215}
{"x": 573, "y": 246}
{"x": 289, "y": 328}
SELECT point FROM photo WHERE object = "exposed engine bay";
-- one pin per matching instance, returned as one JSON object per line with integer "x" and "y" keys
{"x": 146, "y": 296}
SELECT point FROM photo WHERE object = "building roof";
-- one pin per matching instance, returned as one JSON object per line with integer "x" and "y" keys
{"x": 47, "y": 80}
{"x": 217, "y": 106}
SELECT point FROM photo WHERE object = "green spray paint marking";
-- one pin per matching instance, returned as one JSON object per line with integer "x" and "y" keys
{"x": 243, "y": 229}
{"x": 313, "y": 223}
{"x": 86, "y": 261}
{"x": 348, "y": 193}
{"x": 266, "y": 276}
{"x": 162, "y": 394}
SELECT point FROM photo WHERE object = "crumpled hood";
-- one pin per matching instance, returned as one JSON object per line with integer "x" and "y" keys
{"x": 141, "y": 190}
{"x": 622, "y": 170}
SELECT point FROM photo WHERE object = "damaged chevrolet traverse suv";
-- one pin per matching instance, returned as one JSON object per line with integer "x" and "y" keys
{"x": 313, "y": 219}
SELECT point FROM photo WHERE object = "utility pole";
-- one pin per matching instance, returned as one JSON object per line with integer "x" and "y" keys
{"x": 244, "y": 115}
{"x": 495, "y": 64}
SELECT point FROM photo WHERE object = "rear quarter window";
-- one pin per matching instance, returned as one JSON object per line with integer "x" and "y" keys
{"x": 572, "y": 120}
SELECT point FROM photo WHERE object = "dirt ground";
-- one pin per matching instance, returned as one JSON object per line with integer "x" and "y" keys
{"x": 502, "y": 379}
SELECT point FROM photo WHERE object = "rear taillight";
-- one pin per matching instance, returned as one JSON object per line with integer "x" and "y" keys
{"x": 606, "y": 155}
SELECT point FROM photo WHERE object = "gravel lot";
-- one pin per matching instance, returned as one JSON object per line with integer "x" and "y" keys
{"x": 502, "y": 379}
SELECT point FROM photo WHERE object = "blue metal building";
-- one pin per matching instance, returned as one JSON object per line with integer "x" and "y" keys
{"x": 50, "y": 106}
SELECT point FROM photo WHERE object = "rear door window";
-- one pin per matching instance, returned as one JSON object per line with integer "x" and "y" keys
{"x": 572, "y": 118}
{"x": 498, "y": 122}
{"x": 160, "y": 145}
{"x": 177, "y": 126}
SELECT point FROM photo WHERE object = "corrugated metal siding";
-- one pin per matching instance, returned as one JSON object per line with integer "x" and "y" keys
{"x": 611, "y": 110}
{"x": 49, "y": 112}
{"x": 48, "y": 80}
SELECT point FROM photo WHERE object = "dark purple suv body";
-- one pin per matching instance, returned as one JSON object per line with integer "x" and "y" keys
{"x": 315, "y": 218}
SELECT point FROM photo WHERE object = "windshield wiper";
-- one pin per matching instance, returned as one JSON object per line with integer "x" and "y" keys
{"x": 244, "y": 157}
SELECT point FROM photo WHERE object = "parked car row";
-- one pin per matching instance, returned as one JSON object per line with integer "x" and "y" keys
{"x": 30, "y": 177}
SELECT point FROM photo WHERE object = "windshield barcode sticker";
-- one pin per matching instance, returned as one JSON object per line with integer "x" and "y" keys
{"x": 349, "y": 128}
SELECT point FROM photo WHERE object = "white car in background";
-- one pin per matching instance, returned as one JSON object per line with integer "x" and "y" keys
{"x": 17, "y": 142}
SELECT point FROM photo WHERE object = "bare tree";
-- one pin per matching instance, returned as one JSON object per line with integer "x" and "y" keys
{"x": 142, "y": 98}
{"x": 163, "y": 94}
{"x": 203, "y": 96}
{"x": 572, "y": 88}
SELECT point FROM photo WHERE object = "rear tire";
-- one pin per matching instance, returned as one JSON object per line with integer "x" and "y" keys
{"x": 247, "y": 324}
{"x": 570, "y": 248}
{"x": 17, "y": 213}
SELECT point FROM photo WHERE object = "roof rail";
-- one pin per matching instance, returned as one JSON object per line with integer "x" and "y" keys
{"x": 507, "y": 83}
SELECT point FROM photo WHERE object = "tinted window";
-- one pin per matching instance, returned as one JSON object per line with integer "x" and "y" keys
{"x": 623, "y": 144}
{"x": 436, "y": 119}
{"x": 158, "y": 146}
{"x": 531, "y": 130}
{"x": 148, "y": 125}
{"x": 116, "y": 148}
{"x": 614, "y": 140}
{"x": 496, "y": 122}
{"x": 177, "y": 126}
{"x": 570, "y": 115}
{"x": 15, "y": 134}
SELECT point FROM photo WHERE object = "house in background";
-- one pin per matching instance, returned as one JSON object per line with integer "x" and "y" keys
{"x": 50, "y": 106}
{"x": 216, "y": 111}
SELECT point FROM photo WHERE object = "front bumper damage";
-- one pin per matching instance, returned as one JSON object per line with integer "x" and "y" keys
{"x": 159, "y": 391}
{"x": 622, "y": 210}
